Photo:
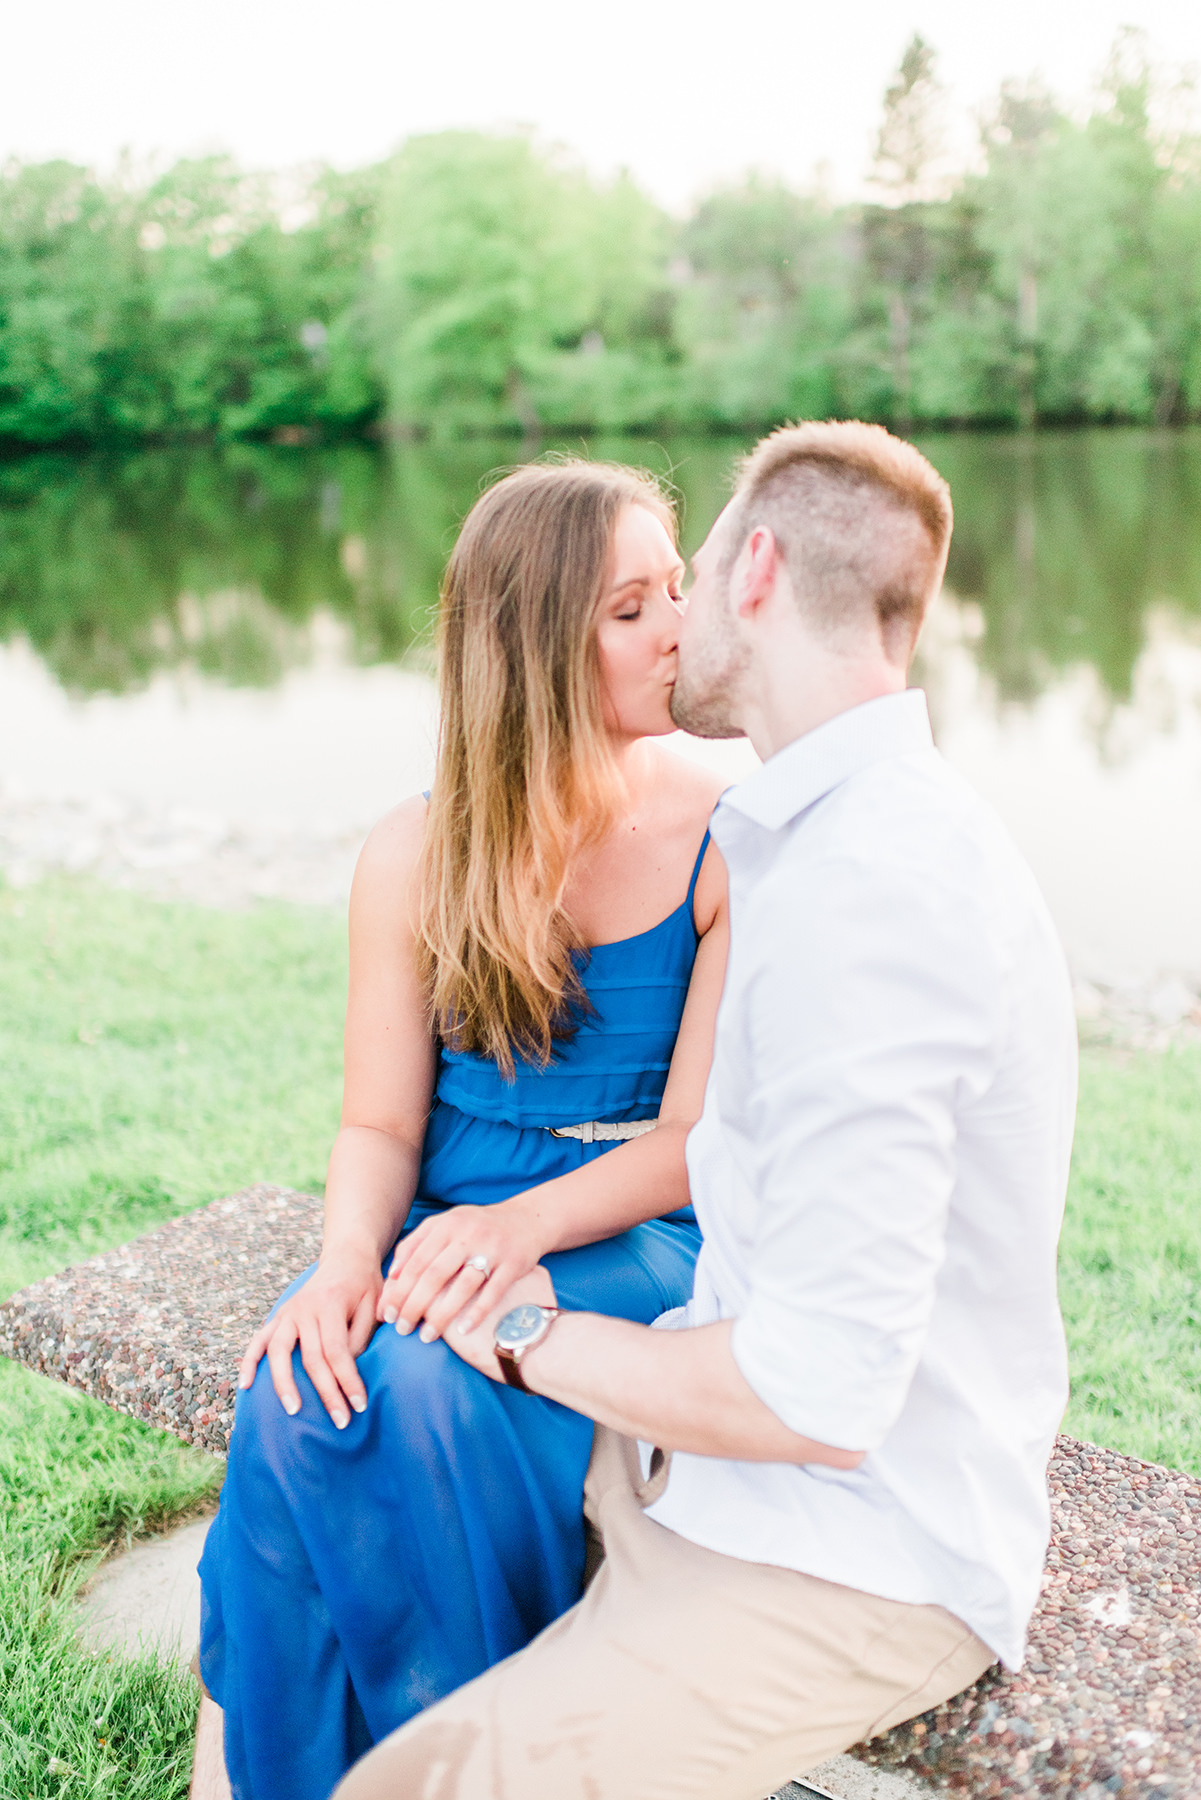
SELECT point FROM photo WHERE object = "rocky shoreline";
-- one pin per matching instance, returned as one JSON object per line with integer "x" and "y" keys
{"x": 176, "y": 853}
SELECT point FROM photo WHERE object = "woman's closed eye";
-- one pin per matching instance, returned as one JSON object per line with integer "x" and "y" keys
{"x": 634, "y": 608}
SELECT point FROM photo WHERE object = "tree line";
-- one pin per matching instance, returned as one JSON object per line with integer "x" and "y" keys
{"x": 479, "y": 283}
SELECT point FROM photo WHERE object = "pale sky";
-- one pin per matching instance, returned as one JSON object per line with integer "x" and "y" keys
{"x": 683, "y": 92}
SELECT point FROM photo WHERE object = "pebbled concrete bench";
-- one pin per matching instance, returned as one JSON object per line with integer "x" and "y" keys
{"x": 1108, "y": 1704}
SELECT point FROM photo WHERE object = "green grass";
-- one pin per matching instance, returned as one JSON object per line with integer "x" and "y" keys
{"x": 153, "y": 1057}
{"x": 76, "y": 1478}
{"x": 1130, "y": 1264}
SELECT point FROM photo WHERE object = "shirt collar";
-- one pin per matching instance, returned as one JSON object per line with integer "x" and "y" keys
{"x": 792, "y": 779}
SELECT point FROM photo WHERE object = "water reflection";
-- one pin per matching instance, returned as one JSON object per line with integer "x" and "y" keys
{"x": 221, "y": 630}
{"x": 114, "y": 568}
{"x": 1069, "y": 542}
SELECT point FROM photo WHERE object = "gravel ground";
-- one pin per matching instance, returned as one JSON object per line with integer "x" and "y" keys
{"x": 1108, "y": 1704}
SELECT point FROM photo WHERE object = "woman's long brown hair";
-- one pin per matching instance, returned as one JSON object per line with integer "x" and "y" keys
{"x": 525, "y": 778}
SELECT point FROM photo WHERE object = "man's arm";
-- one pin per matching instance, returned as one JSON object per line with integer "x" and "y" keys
{"x": 681, "y": 1390}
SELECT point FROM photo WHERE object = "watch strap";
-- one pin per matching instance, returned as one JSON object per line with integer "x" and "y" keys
{"x": 510, "y": 1368}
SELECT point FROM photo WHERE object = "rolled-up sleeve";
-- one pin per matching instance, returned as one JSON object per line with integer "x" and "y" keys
{"x": 847, "y": 1130}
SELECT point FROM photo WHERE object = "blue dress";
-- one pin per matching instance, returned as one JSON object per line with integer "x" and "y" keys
{"x": 353, "y": 1577}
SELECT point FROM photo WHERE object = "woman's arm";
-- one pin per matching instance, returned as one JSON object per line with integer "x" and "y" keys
{"x": 373, "y": 1166}
{"x": 640, "y": 1180}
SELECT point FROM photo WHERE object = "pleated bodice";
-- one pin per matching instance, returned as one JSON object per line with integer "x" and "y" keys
{"x": 613, "y": 1069}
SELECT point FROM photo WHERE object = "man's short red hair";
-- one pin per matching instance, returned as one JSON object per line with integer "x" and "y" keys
{"x": 861, "y": 518}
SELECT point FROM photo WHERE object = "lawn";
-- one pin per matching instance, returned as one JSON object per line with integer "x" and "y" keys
{"x": 1130, "y": 1259}
{"x": 152, "y": 1057}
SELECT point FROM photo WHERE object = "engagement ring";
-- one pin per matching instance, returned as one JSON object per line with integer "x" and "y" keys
{"x": 481, "y": 1263}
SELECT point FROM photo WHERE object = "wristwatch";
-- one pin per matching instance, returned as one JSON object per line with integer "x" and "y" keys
{"x": 518, "y": 1331}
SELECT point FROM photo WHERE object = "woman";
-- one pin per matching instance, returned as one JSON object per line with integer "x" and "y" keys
{"x": 536, "y": 961}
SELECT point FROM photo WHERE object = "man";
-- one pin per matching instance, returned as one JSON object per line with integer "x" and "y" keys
{"x": 844, "y": 1519}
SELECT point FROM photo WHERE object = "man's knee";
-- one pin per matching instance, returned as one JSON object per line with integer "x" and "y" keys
{"x": 434, "y": 1755}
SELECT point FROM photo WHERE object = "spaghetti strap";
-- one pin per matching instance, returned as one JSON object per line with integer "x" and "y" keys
{"x": 696, "y": 869}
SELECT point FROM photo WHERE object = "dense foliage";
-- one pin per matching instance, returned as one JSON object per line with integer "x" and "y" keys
{"x": 481, "y": 283}
{"x": 181, "y": 308}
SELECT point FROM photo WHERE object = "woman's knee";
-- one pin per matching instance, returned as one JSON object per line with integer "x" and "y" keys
{"x": 400, "y": 1370}
{"x": 265, "y": 1435}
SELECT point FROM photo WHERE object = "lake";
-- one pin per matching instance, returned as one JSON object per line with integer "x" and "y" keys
{"x": 243, "y": 635}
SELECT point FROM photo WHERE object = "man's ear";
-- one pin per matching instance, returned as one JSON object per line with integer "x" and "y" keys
{"x": 756, "y": 571}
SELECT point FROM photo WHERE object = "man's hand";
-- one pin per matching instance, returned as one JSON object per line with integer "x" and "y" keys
{"x": 430, "y": 1281}
{"x": 332, "y": 1318}
{"x": 679, "y": 1389}
{"x": 474, "y": 1345}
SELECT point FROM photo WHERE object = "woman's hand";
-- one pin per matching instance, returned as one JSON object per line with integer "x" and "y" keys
{"x": 429, "y": 1279}
{"x": 332, "y": 1318}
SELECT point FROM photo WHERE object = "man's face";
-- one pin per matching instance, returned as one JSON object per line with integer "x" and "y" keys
{"x": 713, "y": 657}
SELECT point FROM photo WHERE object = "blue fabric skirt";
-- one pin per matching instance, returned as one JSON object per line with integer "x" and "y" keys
{"x": 353, "y": 1577}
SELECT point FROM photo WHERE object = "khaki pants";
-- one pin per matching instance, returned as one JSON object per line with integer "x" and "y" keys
{"x": 681, "y": 1675}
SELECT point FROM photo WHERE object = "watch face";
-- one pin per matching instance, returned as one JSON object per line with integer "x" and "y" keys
{"x": 519, "y": 1326}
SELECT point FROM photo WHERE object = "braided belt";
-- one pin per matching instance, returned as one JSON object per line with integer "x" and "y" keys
{"x": 595, "y": 1131}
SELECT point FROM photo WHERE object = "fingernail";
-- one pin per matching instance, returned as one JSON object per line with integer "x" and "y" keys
{"x": 403, "y": 1326}
{"x": 243, "y": 1382}
{"x": 291, "y": 1407}
{"x": 426, "y": 1335}
{"x": 341, "y": 1420}
{"x": 358, "y": 1402}
{"x": 389, "y": 1315}
{"x": 464, "y": 1326}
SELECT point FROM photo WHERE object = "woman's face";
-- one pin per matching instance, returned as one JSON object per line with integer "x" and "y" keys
{"x": 640, "y": 626}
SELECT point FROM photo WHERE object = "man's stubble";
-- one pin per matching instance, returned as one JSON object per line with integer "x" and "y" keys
{"x": 711, "y": 672}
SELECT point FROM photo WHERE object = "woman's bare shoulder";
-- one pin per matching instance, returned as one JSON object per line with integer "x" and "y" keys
{"x": 711, "y": 901}
{"x": 689, "y": 791}
{"x": 388, "y": 860}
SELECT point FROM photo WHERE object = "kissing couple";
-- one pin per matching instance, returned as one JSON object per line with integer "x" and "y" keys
{"x": 670, "y": 1406}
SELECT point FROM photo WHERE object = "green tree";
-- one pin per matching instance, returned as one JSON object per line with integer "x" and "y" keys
{"x": 1077, "y": 219}
{"x": 621, "y": 370}
{"x": 1025, "y": 122}
{"x": 896, "y": 235}
{"x": 912, "y": 134}
{"x": 476, "y": 279}
{"x": 480, "y": 284}
{"x": 257, "y": 328}
{"x": 183, "y": 307}
{"x": 767, "y": 306}
{"x": 513, "y": 293}
{"x": 929, "y": 336}
{"x": 71, "y": 313}
{"x": 1174, "y": 310}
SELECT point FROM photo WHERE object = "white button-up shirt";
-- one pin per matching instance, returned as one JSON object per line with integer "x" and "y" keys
{"x": 879, "y": 1174}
